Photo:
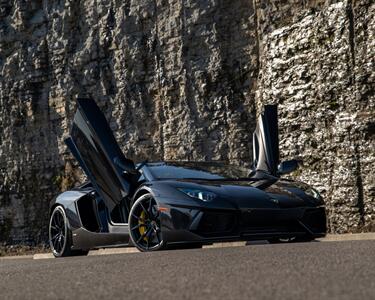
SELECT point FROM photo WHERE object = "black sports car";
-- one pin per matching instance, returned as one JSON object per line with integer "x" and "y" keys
{"x": 172, "y": 204}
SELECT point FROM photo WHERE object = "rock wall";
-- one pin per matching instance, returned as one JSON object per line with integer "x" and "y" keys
{"x": 185, "y": 80}
{"x": 319, "y": 67}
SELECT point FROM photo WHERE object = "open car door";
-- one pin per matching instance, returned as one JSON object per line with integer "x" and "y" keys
{"x": 266, "y": 141}
{"x": 92, "y": 143}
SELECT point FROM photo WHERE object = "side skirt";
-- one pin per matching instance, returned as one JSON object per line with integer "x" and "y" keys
{"x": 85, "y": 240}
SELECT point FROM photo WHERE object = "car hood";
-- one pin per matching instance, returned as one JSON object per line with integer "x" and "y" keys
{"x": 264, "y": 193}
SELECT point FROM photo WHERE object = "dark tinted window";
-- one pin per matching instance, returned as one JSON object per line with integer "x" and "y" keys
{"x": 202, "y": 170}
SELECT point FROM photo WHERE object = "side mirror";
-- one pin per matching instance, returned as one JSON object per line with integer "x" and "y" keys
{"x": 125, "y": 170}
{"x": 287, "y": 167}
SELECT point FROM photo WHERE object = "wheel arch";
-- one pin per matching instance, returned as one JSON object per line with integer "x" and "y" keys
{"x": 142, "y": 190}
{"x": 52, "y": 208}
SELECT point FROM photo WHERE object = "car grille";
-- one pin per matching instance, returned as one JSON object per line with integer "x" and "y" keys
{"x": 214, "y": 223}
{"x": 268, "y": 221}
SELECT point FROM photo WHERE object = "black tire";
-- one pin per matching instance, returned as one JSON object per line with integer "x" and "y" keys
{"x": 60, "y": 236}
{"x": 144, "y": 225}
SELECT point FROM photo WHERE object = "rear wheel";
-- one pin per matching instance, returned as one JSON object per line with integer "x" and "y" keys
{"x": 60, "y": 236}
{"x": 144, "y": 224}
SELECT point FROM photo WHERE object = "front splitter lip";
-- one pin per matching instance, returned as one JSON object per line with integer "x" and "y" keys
{"x": 169, "y": 206}
{"x": 243, "y": 237}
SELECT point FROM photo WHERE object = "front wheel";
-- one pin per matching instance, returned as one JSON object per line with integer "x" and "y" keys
{"x": 144, "y": 223}
{"x": 60, "y": 236}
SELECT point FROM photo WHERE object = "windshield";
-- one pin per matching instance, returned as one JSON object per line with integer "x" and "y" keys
{"x": 196, "y": 170}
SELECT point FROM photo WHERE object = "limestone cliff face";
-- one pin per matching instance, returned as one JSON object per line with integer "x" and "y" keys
{"x": 320, "y": 68}
{"x": 185, "y": 80}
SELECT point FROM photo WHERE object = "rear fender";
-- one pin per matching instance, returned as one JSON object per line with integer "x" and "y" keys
{"x": 68, "y": 200}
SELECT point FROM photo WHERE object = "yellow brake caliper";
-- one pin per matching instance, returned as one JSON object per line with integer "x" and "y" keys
{"x": 141, "y": 221}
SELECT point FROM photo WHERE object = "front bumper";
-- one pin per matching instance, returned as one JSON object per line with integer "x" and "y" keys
{"x": 184, "y": 225}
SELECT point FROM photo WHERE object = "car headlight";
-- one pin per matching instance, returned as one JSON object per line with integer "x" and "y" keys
{"x": 199, "y": 194}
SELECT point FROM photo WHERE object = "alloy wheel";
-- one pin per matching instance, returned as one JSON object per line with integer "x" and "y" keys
{"x": 144, "y": 223}
{"x": 58, "y": 231}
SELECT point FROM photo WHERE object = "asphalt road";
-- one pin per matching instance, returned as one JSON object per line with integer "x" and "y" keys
{"x": 317, "y": 270}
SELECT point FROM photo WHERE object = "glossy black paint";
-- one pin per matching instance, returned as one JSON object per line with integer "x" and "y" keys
{"x": 287, "y": 167}
{"x": 95, "y": 148}
{"x": 260, "y": 205}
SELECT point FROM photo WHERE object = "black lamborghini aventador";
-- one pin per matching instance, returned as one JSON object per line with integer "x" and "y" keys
{"x": 159, "y": 205}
